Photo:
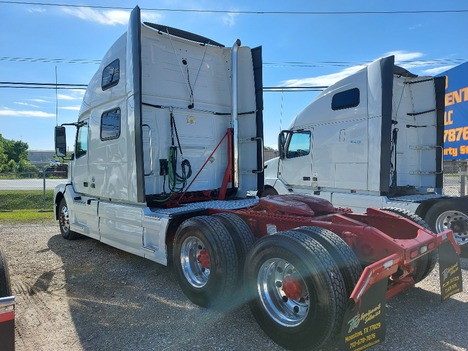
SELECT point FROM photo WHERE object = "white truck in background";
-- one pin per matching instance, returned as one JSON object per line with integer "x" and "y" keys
{"x": 373, "y": 139}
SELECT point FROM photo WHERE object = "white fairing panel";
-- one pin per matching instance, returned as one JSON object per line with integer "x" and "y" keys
{"x": 192, "y": 83}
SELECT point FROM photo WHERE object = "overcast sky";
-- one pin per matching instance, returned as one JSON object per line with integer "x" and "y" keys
{"x": 305, "y": 43}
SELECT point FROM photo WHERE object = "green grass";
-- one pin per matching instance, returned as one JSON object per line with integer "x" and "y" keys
{"x": 25, "y": 200}
{"x": 26, "y": 216}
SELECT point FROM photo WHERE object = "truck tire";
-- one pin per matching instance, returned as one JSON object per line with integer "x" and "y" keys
{"x": 5, "y": 286}
{"x": 422, "y": 266}
{"x": 450, "y": 214}
{"x": 296, "y": 291}
{"x": 344, "y": 256}
{"x": 241, "y": 235}
{"x": 268, "y": 191}
{"x": 64, "y": 222}
{"x": 205, "y": 260}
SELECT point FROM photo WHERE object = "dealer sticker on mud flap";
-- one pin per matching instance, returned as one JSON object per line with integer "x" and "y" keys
{"x": 364, "y": 326}
{"x": 449, "y": 271}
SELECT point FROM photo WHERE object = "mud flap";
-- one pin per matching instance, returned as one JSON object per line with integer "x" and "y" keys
{"x": 364, "y": 325}
{"x": 7, "y": 324}
{"x": 450, "y": 274}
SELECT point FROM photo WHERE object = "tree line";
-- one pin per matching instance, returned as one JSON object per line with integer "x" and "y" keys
{"x": 14, "y": 157}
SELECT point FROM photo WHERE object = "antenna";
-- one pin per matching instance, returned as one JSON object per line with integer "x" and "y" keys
{"x": 56, "y": 97}
{"x": 281, "y": 111}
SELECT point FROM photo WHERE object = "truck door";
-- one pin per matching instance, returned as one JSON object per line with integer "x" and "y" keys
{"x": 296, "y": 158}
{"x": 80, "y": 164}
{"x": 83, "y": 211}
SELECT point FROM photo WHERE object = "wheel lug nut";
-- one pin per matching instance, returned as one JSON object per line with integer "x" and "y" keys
{"x": 278, "y": 284}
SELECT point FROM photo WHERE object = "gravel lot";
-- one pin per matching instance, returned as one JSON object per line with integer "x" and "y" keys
{"x": 84, "y": 295}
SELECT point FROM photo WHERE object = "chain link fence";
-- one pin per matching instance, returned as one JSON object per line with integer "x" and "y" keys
{"x": 455, "y": 184}
{"x": 30, "y": 191}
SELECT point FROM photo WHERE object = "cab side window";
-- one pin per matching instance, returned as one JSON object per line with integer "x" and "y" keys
{"x": 110, "y": 124}
{"x": 111, "y": 75}
{"x": 299, "y": 145}
{"x": 82, "y": 141}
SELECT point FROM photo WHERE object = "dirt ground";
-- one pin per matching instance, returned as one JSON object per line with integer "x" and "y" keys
{"x": 84, "y": 295}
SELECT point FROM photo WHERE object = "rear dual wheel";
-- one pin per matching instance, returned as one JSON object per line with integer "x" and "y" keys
{"x": 344, "y": 256}
{"x": 241, "y": 235}
{"x": 297, "y": 293}
{"x": 209, "y": 254}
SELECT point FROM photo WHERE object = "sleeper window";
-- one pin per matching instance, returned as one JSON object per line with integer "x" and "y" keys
{"x": 111, "y": 75}
{"x": 110, "y": 124}
{"x": 346, "y": 99}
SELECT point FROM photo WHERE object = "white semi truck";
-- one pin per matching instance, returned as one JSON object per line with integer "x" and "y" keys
{"x": 373, "y": 139}
{"x": 166, "y": 165}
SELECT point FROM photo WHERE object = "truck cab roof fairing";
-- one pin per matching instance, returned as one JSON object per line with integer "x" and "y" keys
{"x": 183, "y": 34}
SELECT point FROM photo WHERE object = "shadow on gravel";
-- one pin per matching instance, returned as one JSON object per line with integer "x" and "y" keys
{"x": 418, "y": 320}
{"x": 119, "y": 301}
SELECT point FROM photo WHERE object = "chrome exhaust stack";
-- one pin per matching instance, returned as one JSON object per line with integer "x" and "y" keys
{"x": 234, "y": 111}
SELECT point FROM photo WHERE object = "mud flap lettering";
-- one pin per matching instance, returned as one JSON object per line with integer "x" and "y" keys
{"x": 449, "y": 271}
{"x": 364, "y": 325}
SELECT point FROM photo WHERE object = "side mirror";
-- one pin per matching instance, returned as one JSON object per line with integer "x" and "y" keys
{"x": 60, "y": 141}
{"x": 282, "y": 144}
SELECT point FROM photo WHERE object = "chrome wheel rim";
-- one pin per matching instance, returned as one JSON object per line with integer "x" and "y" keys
{"x": 195, "y": 262}
{"x": 283, "y": 292}
{"x": 454, "y": 220}
{"x": 64, "y": 219}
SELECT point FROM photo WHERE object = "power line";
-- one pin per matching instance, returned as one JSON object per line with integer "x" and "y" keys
{"x": 293, "y": 89}
{"x": 48, "y": 60}
{"x": 303, "y": 64}
{"x": 34, "y": 85}
{"x": 242, "y": 12}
